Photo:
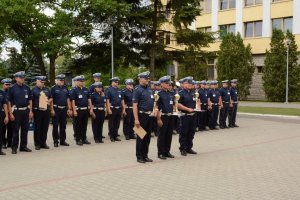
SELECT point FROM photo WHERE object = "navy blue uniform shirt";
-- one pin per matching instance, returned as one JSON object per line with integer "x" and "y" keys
{"x": 60, "y": 95}
{"x": 35, "y": 95}
{"x": 19, "y": 95}
{"x": 98, "y": 100}
{"x": 234, "y": 94}
{"x": 127, "y": 95}
{"x": 3, "y": 99}
{"x": 143, "y": 95}
{"x": 165, "y": 102}
{"x": 187, "y": 98}
{"x": 214, "y": 95}
{"x": 114, "y": 95}
{"x": 225, "y": 94}
{"x": 203, "y": 95}
{"x": 80, "y": 96}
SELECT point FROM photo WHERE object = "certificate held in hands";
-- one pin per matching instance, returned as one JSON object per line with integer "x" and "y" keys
{"x": 43, "y": 101}
{"x": 140, "y": 132}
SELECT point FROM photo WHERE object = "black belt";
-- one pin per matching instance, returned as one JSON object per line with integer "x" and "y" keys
{"x": 61, "y": 107}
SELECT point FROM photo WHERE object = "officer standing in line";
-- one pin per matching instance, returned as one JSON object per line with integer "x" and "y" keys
{"x": 214, "y": 101}
{"x": 60, "y": 108}
{"x": 20, "y": 112}
{"x": 97, "y": 79}
{"x": 97, "y": 111}
{"x": 114, "y": 108}
{"x": 41, "y": 115}
{"x": 204, "y": 105}
{"x": 233, "y": 104}
{"x": 187, "y": 105}
{"x": 128, "y": 120}
{"x": 165, "y": 105}
{"x": 225, "y": 96}
{"x": 80, "y": 98}
{"x": 143, "y": 102}
{"x": 3, "y": 117}
{"x": 7, "y": 128}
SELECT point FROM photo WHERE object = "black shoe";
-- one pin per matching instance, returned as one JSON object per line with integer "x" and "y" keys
{"x": 117, "y": 139}
{"x": 45, "y": 146}
{"x": 101, "y": 141}
{"x": 127, "y": 137}
{"x": 148, "y": 160}
{"x": 141, "y": 161}
{"x": 206, "y": 129}
{"x": 112, "y": 139}
{"x": 169, "y": 155}
{"x": 37, "y": 148}
{"x": 161, "y": 156}
{"x": 2, "y": 153}
{"x": 9, "y": 146}
{"x": 235, "y": 125}
{"x": 215, "y": 128}
{"x": 97, "y": 141}
{"x": 231, "y": 126}
{"x": 25, "y": 149}
{"x": 14, "y": 151}
{"x": 79, "y": 143}
{"x": 64, "y": 144}
{"x": 191, "y": 151}
{"x": 222, "y": 127}
{"x": 226, "y": 126}
{"x": 183, "y": 153}
{"x": 85, "y": 142}
{"x": 55, "y": 144}
{"x": 132, "y": 137}
{"x": 211, "y": 128}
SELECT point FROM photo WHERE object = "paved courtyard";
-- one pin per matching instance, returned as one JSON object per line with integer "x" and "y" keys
{"x": 260, "y": 160}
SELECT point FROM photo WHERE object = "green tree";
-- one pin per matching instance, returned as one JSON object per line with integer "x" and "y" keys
{"x": 275, "y": 68}
{"x": 235, "y": 61}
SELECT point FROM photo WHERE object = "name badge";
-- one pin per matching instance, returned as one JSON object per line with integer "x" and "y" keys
{"x": 194, "y": 99}
{"x": 214, "y": 95}
{"x": 80, "y": 96}
{"x": 206, "y": 95}
{"x": 151, "y": 96}
{"x": 235, "y": 92}
{"x": 228, "y": 93}
{"x": 104, "y": 100}
{"x": 26, "y": 96}
{"x": 119, "y": 96}
{"x": 171, "y": 102}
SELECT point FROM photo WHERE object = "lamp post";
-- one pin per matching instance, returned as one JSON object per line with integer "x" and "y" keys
{"x": 112, "y": 51}
{"x": 288, "y": 42}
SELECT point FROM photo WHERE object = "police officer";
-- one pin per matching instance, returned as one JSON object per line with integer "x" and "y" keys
{"x": 114, "y": 108}
{"x": 225, "y": 96}
{"x": 187, "y": 105}
{"x": 7, "y": 128}
{"x": 80, "y": 98}
{"x": 60, "y": 108}
{"x": 20, "y": 111}
{"x": 41, "y": 114}
{"x": 128, "y": 121}
{"x": 214, "y": 101}
{"x": 97, "y": 111}
{"x": 3, "y": 117}
{"x": 165, "y": 105}
{"x": 143, "y": 103}
{"x": 233, "y": 104}
{"x": 204, "y": 105}
{"x": 97, "y": 79}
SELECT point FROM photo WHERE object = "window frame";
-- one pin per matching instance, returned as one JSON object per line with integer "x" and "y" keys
{"x": 254, "y": 3}
{"x": 228, "y": 5}
{"x": 282, "y": 24}
{"x": 254, "y": 28}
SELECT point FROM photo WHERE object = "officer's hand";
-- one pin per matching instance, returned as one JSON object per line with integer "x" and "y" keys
{"x": 159, "y": 123}
{"x": 69, "y": 112}
{"x": 209, "y": 107}
{"x": 109, "y": 111}
{"x": 12, "y": 117}
{"x": 6, "y": 120}
{"x": 190, "y": 110}
{"x": 124, "y": 113}
{"x": 93, "y": 115}
{"x": 231, "y": 105}
{"x": 52, "y": 113}
{"x": 137, "y": 123}
{"x": 30, "y": 115}
{"x": 75, "y": 113}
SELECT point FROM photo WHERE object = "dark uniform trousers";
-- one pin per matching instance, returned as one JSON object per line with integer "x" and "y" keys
{"x": 80, "y": 125}
{"x": 224, "y": 114}
{"x": 232, "y": 114}
{"x": 59, "y": 121}
{"x": 213, "y": 116}
{"x": 198, "y": 120}
{"x": 114, "y": 122}
{"x": 164, "y": 139}
{"x": 6, "y": 133}
{"x": 21, "y": 122}
{"x": 97, "y": 124}
{"x": 41, "y": 122}
{"x": 176, "y": 123}
{"x": 128, "y": 122}
{"x": 2, "y": 125}
{"x": 203, "y": 117}
{"x": 187, "y": 132}
{"x": 142, "y": 145}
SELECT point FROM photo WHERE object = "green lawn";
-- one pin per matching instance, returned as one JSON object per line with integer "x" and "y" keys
{"x": 273, "y": 111}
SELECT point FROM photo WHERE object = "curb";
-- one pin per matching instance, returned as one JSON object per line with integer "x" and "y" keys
{"x": 270, "y": 115}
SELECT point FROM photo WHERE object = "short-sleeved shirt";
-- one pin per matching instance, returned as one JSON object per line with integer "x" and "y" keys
{"x": 225, "y": 94}
{"x": 187, "y": 98}
{"x": 143, "y": 96}
{"x": 166, "y": 101}
{"x": 127, "y": 96}
{"x": 19, "y": 95}
{"x": 214, "y": 95}
{"x": 80, "y": 96}
{"x": 203, "y": 95}
{"x": 35, "y": 95}
{"x": 3, "y": 99}
{"x": 60, "y": 95}
{"x": 234, "y": 94}
{"x": 98, "y": 99}
{"x": 114, "y": 95}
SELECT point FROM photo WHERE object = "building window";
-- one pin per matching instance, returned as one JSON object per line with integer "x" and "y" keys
{"x": 205, "y": 29}
{"x": 168, "y": 38}
{"x": 225, "y": 29}
{"x": 206, "y": 6}
{"x": 253, "y": 29}
{"x": 168, "y": 9}
{"x": 259, "y": 69}
{"x": 227, "y": 4}
{"x": 253, "y": 2}
{"x": 211, "y": 69}
{"x": 284, "y": 24}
